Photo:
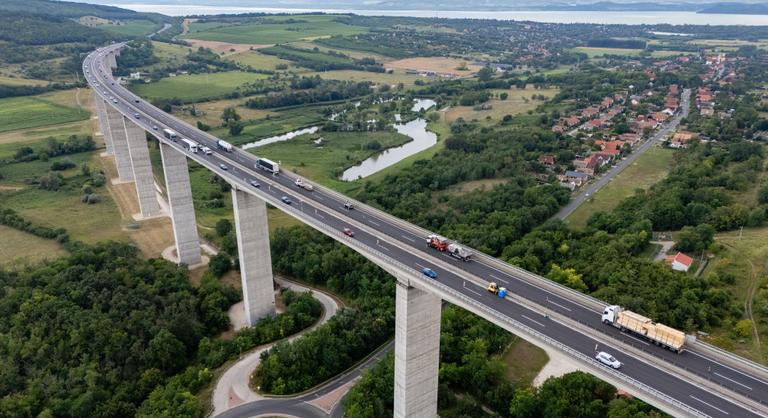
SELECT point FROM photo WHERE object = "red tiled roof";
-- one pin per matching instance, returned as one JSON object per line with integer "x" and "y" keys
{"x": 680, "y": 258}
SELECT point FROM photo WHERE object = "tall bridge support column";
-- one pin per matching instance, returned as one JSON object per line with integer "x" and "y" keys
{"x": 181, "y": 206}
{"x": 417, "y": 352}
{"x": 255, "y": 258}
{"x": 101, "y": 113}
{"x": 119, "y": 144}
{"x": 142, "y": 168}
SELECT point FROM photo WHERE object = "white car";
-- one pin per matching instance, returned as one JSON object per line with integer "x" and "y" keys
{"x": 207, "y": 151}
{"x": 608, "y": 360}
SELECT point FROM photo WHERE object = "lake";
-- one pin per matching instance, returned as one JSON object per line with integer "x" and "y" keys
{"x": 422, "y": 139}
{"x": 634, "y": 18}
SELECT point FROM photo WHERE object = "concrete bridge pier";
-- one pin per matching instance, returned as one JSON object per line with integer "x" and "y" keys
{"x": 417, "y": 352}
{"x": 180, "y": 201}
{"x": 101, "y": 113}
{"x": 142, "y": 168}
{"x": 119, "y": 144}
{"x": 254, "y": 255}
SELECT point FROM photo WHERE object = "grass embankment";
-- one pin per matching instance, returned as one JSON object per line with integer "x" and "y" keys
{"x": 258, "y": 60}
{"x": 524, "y": 361}
{"x": 18, "y": 81}
{"x": 648, "y": 169}
{"x": 393, "y": 78}
{"x": 195, "y": 87}
{"x": 305, "y": 27}
{"x": 744, "y": 256}
{"x": 34, "y": 111}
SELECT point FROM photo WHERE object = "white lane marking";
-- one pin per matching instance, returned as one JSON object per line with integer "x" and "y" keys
{"x": 409, "y": 239}
{"x": 730, "y": 368}
{"x": 557, "y": 304}
{"x": 473, "y": 291}
{"x": 381, "y": 246}
{"x": 319, "y": 198}
{"x": 499, "y": 278}
{"x": 732, "y": 381}
{"x": 375, "y": 223}
{"x": 533, "y": 320}
{"x": 709, "y": 405}
{"x": 420, "y": 265}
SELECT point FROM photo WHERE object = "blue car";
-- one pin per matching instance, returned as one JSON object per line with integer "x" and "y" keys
{"x": 429, "y": 273}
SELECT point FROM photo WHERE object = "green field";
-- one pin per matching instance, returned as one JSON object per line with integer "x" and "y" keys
{"x": 195, "y": 87}
{"x": 278, "y": 123}
{"x": 18, "y": 81}
{"x": 295, "y": 54}
{"x": 132, "y": 27}
{"x": 258, "y": 60}
{"x": 18, "y": 248}
{"x": 32, "y": 112}
{"x": 339, "y": 151}
{"x": 599, "y": 52}
{"x": 648, "y": 169}
{"x": 665, "y": 54}
{"x": 308, "y": 27}
{"x": 378, "y": 78}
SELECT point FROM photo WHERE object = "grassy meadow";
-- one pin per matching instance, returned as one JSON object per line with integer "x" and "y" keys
{"x": 32, "y": 112}
{"x": 194, "y": 87}
{"x": 306, "y": 27}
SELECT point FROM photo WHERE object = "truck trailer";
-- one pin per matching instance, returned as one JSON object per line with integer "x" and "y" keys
{"x": 459, "y": 252}
{"x": 637, "y": 324}
{"x": 226, "y": 146}
{"x": 169, "y": 134}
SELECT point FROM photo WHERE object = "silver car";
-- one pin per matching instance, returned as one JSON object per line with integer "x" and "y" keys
{"x": 608, "y": 360}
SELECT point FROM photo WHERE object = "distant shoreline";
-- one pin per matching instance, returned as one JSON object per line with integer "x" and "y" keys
{"x": 586, "y": 17}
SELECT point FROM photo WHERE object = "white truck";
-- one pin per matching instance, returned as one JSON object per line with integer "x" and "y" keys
{"x": 226, "y": 146}
{"x": 304, "y": 185}
{"x": 459, "y": 252}
{"x": 659, "y": 334}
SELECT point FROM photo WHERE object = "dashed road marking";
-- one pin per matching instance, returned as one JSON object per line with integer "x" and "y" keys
{"x": 499, "y": 278}
{"x": 408, "y": 238}
{"x": 709, "y": 405}
{"x": 557, "y": 304}
{"x": 533, "y": 320}
{"x": 732, "y": 381}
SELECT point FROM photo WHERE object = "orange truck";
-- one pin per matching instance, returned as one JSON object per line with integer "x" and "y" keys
{"x": 639, "y": 325}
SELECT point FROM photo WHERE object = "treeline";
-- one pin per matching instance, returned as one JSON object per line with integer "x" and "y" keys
{"x": 484, "y": 219}
{"x": 317, "y": 90}
{"x": 350, "y": 335}
{"x": 323, "y": 61}
{"x": 76, "y": 10}
{"x": 40, "y": 29}
{"x": 700, "y": 189}
{"x": 93, "y": 333}
{"x": 54, "y": 148}
{"x": 12, "y": 219}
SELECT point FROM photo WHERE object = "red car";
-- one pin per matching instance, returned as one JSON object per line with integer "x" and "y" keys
{"x": 348, "y": 232}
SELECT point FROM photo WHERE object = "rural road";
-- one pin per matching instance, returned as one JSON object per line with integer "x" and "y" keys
{"x": 593, "y": 187}
{"x": 232, "y": 388}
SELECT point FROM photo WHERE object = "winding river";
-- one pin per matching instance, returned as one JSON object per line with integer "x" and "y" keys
{"x": 422, "y": 139}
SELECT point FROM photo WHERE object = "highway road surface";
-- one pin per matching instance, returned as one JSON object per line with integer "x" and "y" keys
{"x": 710, "y": 388}
{"x": 601, "y": 181}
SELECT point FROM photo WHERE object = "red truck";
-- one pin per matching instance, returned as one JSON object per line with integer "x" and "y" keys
{"x": 437, "y": 242}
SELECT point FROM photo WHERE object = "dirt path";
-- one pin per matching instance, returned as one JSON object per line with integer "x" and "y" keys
{"x": 748, "y": 306}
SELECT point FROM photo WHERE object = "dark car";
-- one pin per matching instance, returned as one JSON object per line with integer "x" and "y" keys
{"x": 348, "y": 232}
{"x": 255, "y": 183}
{"x": 287, "y": 200}
{"x": 223, "y": 166}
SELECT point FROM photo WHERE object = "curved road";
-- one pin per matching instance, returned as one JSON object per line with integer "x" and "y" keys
{"x": 692, "y": 380}
{"x": 232, "y": 388}
{"x": 593, "y": 187}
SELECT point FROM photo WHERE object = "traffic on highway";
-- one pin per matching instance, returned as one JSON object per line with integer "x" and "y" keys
{"x": 703, "y": 384}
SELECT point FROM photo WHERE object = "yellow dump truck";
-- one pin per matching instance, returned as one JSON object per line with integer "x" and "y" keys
{"x": 637, "y": 324}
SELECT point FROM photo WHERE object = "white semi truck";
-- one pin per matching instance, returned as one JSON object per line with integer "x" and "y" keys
{"x": 226, "y": 146}
{"x": 637, "y": 324}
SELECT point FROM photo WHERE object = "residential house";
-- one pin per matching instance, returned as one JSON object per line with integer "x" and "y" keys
{"x": 612, "y": 148}
{"x": 574, "y": 178}
{"x": 547, "y": 160}
{"x": 591, "y": 163}
{"x": 630, "y": 138}
{"x": 680, "y": 262}
{"x": 681, "y": 139}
